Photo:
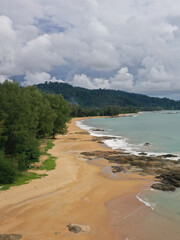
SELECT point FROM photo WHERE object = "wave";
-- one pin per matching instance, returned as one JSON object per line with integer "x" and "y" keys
{"x": 146, "y": 201}
{"x": 121, "y": 143}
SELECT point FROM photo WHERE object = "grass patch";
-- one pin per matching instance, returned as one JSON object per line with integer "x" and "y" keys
{"x": 48, "y": 164}
{"x": 48, "y": 145}
{"x": 23, "y": 178}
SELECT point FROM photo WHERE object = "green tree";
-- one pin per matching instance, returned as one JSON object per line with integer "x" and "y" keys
{"x": 8, "y": 170}
{"x": 62, "y": 111}
{"x": 42, "y": 112}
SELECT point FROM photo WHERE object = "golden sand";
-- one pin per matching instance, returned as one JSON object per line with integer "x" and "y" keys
{"x": 75, "y": 192}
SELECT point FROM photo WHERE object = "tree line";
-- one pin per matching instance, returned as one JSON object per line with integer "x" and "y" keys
{"x": 101, "y": 98}
{"x": 112, "y": 110}
{"x": 26, "y": 116}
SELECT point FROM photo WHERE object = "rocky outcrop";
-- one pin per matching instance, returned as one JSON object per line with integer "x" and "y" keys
{"x": 98, "y": 130}
{"x": 167, "y": 171}
{"x": 10, "y": 236}
{"x": 146, "y": 144}
{"x": 116, "y": 169}
{"x": 168, "y": 156}
{"x": 102, "y": 139}
{"x": 77, "y": 229}
{"x": 163, "y": 187}
{"x": 73, "y": 228}
{"x": 172, "y": 178}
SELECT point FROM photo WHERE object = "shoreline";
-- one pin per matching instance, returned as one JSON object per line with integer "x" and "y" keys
{"x": 126, "y": 146}
{"x": 75, "y": 192}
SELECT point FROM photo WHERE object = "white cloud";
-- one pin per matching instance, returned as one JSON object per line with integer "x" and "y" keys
{"x": 94, "y": 35}
{"x": 4, "y": 78}
{"x": 33, "y": 79}
{"x": 7, "y": 46}
{"x": 121, "y": 80}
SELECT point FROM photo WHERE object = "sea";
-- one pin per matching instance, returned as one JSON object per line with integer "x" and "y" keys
{"x": 153, "y": 133}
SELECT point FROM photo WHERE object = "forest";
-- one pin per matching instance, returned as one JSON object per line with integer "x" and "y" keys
{"x": 27, "y": 116}
{"x": 102, "y": 98}
{"x": 111, "y": 110}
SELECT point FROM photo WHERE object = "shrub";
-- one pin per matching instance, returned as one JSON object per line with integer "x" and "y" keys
{"x": 7, "y": 170}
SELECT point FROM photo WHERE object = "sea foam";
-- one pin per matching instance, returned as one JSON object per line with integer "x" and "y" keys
{"x": 121, "y": 143}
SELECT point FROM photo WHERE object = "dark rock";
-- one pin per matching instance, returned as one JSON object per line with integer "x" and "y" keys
{"x": 74, "y": 228}
{"x": 172, "y": 177}
{"x": 146, "y": 144}
{"x": 163, "y": 187}
{"x": 10, "y": 236}
{"x": 102, "y": 139}
{"x": 168, "y": 156}
{"x": 98, "y": 130}
{"x": 116, "y": 169}
{"x": 143, "y": 154}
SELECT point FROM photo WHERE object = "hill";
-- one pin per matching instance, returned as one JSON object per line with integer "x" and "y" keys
{"x": 103, "y": 97}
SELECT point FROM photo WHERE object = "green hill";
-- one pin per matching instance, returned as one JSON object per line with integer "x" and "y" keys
{"x": 87, "y": 98}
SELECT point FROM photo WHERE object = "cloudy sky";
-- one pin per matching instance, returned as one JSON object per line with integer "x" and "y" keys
{"x": 131, "y": 45}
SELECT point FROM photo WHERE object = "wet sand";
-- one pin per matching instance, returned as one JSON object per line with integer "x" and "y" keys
{"x": 75, "y": 192}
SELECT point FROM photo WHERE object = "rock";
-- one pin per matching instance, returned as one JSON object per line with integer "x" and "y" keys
{"x": 163, "y": 187}
{"x": 116, "y": 169}
{"x": 168, "y": 171}
{"x": 168, "y": 156}
{"x": 77, "y": 229}
{"x": 74, "y": 228}
{"x": 143, "y": 154}
{"x": 146, "y": 144}
{"x": 172, "y": 178}
{"x": 97, "y": 130}
{"x": 10, "y": 236}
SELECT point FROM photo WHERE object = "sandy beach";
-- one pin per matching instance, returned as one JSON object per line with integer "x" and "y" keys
{"x": 76, "y": 192}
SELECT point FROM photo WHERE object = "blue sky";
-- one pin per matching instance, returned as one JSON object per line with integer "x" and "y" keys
{"x": 131, "y": 45}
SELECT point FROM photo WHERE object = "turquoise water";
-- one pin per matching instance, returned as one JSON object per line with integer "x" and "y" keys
{"x": 166, "y": 204}
{"x": 160, "y": 129}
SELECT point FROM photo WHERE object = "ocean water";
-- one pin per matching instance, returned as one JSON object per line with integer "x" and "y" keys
{"x": 161, "y": 130}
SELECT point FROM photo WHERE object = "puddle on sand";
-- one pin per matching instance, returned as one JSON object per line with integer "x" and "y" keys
{"x": 105, "y": 166}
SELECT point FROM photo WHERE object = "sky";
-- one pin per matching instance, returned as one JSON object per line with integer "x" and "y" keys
{"x": 129, "y": 45}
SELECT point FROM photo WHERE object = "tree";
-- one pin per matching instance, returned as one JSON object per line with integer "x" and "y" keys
{"x": 41, "y": 110}
{"x": 8, "y": 170}
{"x": 26, "y": 115}
{"x": 62, "y": 111}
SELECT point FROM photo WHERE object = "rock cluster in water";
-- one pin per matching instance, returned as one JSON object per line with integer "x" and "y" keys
{"x": 168, "y": 181}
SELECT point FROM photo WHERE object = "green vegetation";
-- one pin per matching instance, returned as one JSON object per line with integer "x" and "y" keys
{"x": 7, "y": 170}
{"x": 50, "y": 162}
{"x": 77, "y": 111}
{"x": 49, "y": 143}
{"x": 96, "y": 100}
{"x": 27, "y": 116}
{"x": 23, "y": 178}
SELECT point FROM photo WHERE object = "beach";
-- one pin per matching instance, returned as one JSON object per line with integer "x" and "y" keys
{"x": 76, "y": 192}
